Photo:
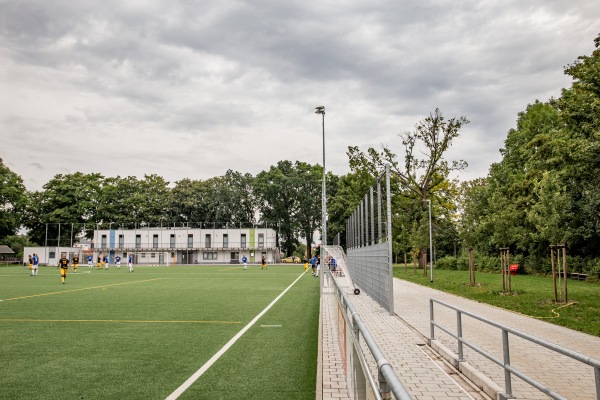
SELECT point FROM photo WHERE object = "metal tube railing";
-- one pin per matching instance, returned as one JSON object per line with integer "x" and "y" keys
{"x": 388, "y": 380}
{"x": 509, "y": 370}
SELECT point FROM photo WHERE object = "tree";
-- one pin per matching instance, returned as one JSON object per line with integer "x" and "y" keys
{"x": 420, "y": 178}
{"x": 13, "y": 199}
{"x": 290, "y": 194}
{"x": 308, "y": 188}
{"x": 276, "y": 202}
{"x": 66, "y": 199}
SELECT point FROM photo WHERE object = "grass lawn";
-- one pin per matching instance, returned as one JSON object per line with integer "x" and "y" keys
{"x": 115, "y": 334}
{"x": 532, "y": 295}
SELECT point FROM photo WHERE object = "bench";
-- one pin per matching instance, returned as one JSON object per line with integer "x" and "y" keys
{"x": 578, "y": 276}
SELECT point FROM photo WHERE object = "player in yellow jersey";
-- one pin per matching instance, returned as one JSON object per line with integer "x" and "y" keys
{"x": 63, "y": 264}
{"x": 263, "y": 263}
{"x": 31, "y": 265}
{"x": 305, "y": 264}
{"x": 99, "y": 263}
{"x": 75, "y": 262}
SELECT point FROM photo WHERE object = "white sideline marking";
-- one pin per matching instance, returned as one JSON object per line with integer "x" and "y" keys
{"x": 185, "y": 385}
{"x": 270, "y": 326}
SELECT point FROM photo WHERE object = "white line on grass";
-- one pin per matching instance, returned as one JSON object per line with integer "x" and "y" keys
{"x": 185, "y": 385}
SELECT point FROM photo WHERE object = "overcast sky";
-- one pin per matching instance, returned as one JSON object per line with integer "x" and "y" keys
{"x": 189, "y": 89}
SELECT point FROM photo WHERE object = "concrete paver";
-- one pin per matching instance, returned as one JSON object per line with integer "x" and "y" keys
{"x": 402, "y": 339}
{"x": 401, "y": 345}
{"x": 572, "y": 379}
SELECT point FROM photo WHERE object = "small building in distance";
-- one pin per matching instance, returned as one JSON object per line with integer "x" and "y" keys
{"x": 181, "y": 245}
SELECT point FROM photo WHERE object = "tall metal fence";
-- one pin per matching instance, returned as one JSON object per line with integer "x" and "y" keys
{"x": 369, "y": 242}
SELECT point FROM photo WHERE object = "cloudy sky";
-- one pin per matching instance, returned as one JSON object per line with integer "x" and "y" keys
{"x": 185, "y": 88}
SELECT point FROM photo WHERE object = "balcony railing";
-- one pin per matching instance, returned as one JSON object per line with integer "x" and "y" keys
{"x": 199, "y": 245}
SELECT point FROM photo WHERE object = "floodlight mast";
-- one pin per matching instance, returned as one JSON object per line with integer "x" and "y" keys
{"x": 321, "y": 110}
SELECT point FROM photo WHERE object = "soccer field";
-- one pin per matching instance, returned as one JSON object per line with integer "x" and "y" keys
{"x": 112, "y": 334}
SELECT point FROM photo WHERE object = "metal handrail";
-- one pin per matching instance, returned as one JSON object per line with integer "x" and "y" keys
{"x": 509, "y": 370}
{"x": 388, "y": 380}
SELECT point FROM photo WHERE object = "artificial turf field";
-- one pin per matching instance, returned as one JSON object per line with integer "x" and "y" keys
{"x": 120, "y": 335}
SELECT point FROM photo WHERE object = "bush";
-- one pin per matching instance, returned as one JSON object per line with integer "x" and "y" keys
{"x": 447, "y": 262}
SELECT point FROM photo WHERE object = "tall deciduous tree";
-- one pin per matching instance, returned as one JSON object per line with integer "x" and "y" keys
{"x": 13, "y": 198}
{"x": 66, "y": 199}
{"x": 276, "y": 198}
{"x": 420, "y": 178}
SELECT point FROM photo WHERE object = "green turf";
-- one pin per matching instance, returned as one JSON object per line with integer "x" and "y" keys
{"x": 532, "y": 295}
{"x": 115, "y": 334}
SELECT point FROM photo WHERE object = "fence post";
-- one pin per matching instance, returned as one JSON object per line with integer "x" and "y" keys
{"x": 597, "y": 374}
{"x": 384, "y": 388}
{"x": 507, "y": 375}
{"x": 459, "y": 334}
{"x": 431, "y": 326}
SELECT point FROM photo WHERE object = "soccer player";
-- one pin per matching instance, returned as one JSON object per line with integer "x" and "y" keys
{"x": 313, "y": 263}
{"x": 118, "y": 262}
{"x": 305, "y": 264}
{"x": 130, "y": 263}
{"x": 245, "y": 261}
{"x": 31, "y": 264}
{"x": 105, "y": 262}
{"x": 75, "y": 262}
{"x": 63, "y": 264}
{"x": 99, "y": 262}
{"x": 263, "y": 263}
{"x": 90, "y": 261}
{"x": 36, "y": 263}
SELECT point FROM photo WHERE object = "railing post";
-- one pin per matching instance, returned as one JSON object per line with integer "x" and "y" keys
{"x": 507, "y": 375}
{"x": 431, "y": 323}
{"x": 384, "y": 388}
{"x": 597, "y": 374}
{"x": 459, "y": 335}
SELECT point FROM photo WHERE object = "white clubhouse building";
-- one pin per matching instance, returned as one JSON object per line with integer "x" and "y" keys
{"x": 188, "y": 245}
{"x": 172, "y": 245}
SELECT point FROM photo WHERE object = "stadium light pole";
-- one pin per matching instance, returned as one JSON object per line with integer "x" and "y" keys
{"x": 321, "y": 110}
{"x": 430, "y": 243}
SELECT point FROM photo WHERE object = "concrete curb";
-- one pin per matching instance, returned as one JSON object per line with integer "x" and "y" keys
{"x": 484, "y": 383}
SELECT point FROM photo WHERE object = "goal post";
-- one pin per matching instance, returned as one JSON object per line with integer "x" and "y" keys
{"x": 152, "y": 258}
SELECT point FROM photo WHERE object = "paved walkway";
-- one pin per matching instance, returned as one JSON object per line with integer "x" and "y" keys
{"x": 402, "y": 339}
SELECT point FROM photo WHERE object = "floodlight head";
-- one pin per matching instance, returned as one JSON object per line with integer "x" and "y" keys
{"x": 320, "y": 110}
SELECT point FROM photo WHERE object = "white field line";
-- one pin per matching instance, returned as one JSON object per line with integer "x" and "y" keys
{"x": 185, "y": 385}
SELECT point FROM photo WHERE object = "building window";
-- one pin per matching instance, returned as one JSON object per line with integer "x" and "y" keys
{"x": 138, "y": 241}
{"x": 143, "y": 255}
{"x": 52, "y": 254}
{"x": 152, "y": 255}
{"x": 235, "y": 255}
{"x": 207, "y": 241}
{"x": 155, "y": 241}
{"x": 190, "y": 240}
{"x": 209, "y": 255}
{"x": 261, "y": 240}
{"x": 172, "y": 242}
{"x": 243, "y": 241}
{"x": 103, "y": 242}
{"x": 121, "y": 241}
{"x": 225, "y": 241}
